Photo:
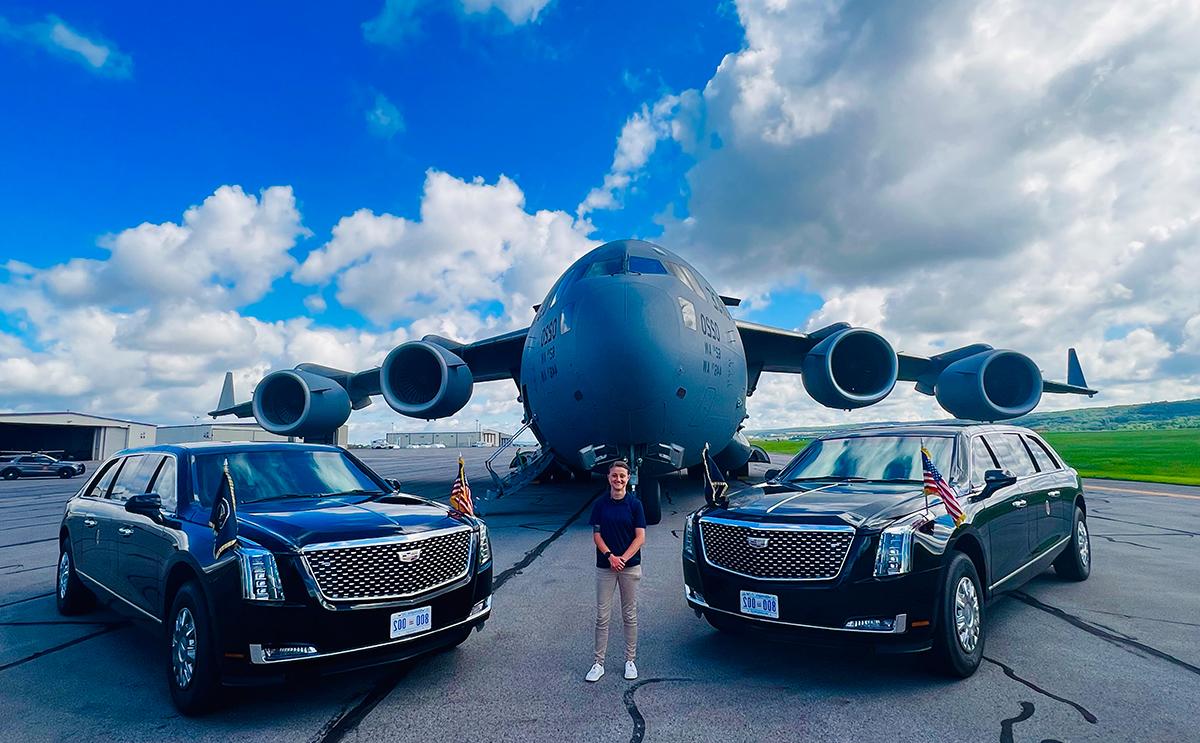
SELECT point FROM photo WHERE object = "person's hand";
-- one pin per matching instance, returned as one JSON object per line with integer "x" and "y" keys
{"x": 616, "y": 562}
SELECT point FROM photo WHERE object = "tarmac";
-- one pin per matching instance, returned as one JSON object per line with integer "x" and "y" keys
{"x": 1115, "y": 658}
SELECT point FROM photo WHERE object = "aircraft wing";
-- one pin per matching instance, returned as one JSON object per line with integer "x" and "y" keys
{"x": 774, "y": 349}
{"x": 490, "y": 359}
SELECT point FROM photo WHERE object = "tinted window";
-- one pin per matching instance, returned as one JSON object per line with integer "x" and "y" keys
{"x": 1011, "y": 453}
{"x": 41, "y": 460}
{"x": 638, "y": 264}
{"x": 871, "y": 457}
{"x": 981, "y": 461}
{"x": 135, "y": 476}
{"x": 106, "y": 477}
{"x": 1039, "y": 457}
{"x": 265, "y": 475}
{"x": 607, "y": 267}
{"x": 1041, "y": 449}
{"x": 164, "y": 483}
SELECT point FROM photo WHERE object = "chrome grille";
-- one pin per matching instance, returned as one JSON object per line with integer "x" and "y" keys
{"x": 789, "y": 553}
{"x": 376, "y": 571}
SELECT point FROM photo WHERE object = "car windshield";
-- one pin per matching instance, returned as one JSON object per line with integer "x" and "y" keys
{"x": 268, "y": 475}
{"x": 883, "y": 458}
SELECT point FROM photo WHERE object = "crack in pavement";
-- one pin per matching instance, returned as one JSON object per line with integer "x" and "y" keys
{"x": 1145, "y": 526}
{"x": 1122, "y": 642}
{"x": 41, "y": 653}
{"x": 348, "y": 719}
{"x": 1006, "y": 725}
{"x": 51, "y": 622}
{"x": 1148, "y": 619}
{"x": 1122, "y": 541}
{"x": 639, "y": 722}
{"x": 1008, "y": 671}
{"x": 34, "y": 541}
{"x": 27, "y": 598}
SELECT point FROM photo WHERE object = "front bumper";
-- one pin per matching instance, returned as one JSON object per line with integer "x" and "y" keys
{"x": 817, "y": 611}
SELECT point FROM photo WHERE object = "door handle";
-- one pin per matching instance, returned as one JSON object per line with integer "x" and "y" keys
{"x": 1019, "y": 503}
{"x": 1053, "y": 493}
{"x": 124, "y": 530}
{"x": 89, "y": 522}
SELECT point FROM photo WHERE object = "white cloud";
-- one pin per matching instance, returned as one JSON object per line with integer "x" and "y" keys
{"x": 55, "y": 36}
{"x": 399, "y": 20}
{"x": 383, "y": 118}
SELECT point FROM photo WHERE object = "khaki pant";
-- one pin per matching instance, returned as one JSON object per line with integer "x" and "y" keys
{"x": 606, "y": 582}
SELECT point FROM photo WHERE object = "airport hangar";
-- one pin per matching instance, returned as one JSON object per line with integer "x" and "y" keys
{"x": 450, "y": 439}
{"x": 84, "y": 437}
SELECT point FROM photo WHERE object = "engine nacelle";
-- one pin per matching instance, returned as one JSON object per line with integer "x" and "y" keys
{"x": 990, "y": 386}
{"x": 298, "y": 403}
{"x": 420, "y": 379}
{"x": 850, "y": 369}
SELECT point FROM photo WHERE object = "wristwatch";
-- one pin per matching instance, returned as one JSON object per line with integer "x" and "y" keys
{"x": 608, "y": 554}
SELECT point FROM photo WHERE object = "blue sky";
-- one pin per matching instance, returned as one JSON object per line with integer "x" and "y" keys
{"x": 186, "y": 190}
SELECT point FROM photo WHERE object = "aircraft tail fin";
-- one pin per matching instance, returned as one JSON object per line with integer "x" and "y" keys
{"x": 1074, "y": 370}
{"x": 226, "y": 404}
{"x": 226, "y": 399}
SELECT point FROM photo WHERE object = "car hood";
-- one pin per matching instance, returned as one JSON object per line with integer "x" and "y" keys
{"x": 290, "y": 524}
{"x": 859, "y": 504}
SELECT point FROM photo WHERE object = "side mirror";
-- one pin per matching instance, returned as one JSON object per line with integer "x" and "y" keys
{"x": 145, "y": 504}
{"x": 773, "y": 473}
{"x": 993, "y": 480}
{"x": 393, "y": 483}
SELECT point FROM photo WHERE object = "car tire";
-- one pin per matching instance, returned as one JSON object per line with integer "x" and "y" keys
{"x": 70, "y": 595}
{"x": 1075, "y": 562}
{"x": 192, "y": 671}
{"x": 959, "y": 625}
{"x": 66, "y": 473}
{"x": 10, "y": 474}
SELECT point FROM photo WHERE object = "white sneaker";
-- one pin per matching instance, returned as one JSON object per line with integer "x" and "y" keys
{"x": 595, "y": 673}
{"x": 630, "y": 670}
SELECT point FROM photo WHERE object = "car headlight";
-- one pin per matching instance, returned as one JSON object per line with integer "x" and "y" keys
{"x": 894, "y": 555}
{"x": 485, "y": 546}
{"x": 689, "y": 549}
{"x": 260, "y": 575}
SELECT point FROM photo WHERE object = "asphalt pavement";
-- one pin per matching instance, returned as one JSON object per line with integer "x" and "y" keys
{"x": 1115, "y": 658}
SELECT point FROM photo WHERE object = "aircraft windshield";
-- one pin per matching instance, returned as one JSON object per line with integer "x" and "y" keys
{"x": 890, "y": 458}
{"x": 605, "y": 267}
{"x": 266, "y": 475}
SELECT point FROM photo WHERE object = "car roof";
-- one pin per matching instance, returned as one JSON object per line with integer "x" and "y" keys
{"x": 947, "y": 428}
{"x": 226, "y": 447}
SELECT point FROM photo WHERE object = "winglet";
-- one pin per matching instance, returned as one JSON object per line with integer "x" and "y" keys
{"x": 226, "y": 399}
{"x": 1074, "y": 370}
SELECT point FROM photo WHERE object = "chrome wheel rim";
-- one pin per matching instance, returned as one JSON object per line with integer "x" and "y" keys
{"x": 183, "y": 648}
{"x": 64, "y": 574}
{"x": 1081, "y": 540}
{"x": 966, "y": 614}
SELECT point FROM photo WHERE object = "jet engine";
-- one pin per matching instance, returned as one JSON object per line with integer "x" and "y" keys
{"x": 298, "y": 403}
{"x": 420, "y": 379}
{"x": 851, "y": 368}
{"x": 990, "y": 386}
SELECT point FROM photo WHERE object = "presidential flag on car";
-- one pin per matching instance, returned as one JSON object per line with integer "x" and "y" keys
{"x": 714, "y": 482}
{"x": 223, "y": 518}
{"x": 460, "y": 494}
{"x": 935, "y": 485}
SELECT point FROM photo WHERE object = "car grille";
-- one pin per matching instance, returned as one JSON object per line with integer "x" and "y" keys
{"x": 375, "y": 571}
{"x": 790, "y": 554}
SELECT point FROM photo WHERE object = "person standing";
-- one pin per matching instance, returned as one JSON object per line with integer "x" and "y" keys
{"x": 619, "y": 531}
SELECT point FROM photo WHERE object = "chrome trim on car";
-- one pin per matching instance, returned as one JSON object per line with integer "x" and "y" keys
{"x": 900, "y": 627}
{"x": 1045, "y": 552}
{"x": 376, "y": 541}
{"x": 119, "y": 596}
{"x": 776, "y": 527}
{"x": 258, "y": 658}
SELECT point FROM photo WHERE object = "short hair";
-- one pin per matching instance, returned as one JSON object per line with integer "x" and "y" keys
{"x": 618, "y": 463}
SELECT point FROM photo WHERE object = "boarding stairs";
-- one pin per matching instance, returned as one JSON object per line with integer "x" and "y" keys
{"x": 531, "y": 466}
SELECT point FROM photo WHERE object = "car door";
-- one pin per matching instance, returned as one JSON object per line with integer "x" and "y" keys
{"x": 133, "y": 479}
{"x": 83, "y": 522}
{"x": 1009, "y": 533}
{"x": 144, "y": 553}
{"x": 994, "y": 517}
{"x": 1063, "y": 488}
{"x": 1043, "y": 493}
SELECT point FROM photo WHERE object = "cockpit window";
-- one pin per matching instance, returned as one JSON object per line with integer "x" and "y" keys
{"x": 638, "y": 264}
{"x": 605, "y": 267}
{"x": 685, "y": 276}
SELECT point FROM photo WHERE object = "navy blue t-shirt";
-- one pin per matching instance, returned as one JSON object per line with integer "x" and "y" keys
{"x": 616, "y": 521}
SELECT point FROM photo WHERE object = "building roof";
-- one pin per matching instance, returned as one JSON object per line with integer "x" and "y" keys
{"x": 74, "y": 413}
{"x": 217, "y": 447}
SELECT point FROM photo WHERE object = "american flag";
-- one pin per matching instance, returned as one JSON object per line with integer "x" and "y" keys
{"x": 460, "y": 494}
{"x": 935, "y": 485}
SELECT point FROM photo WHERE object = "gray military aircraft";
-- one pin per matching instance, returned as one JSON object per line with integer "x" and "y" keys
{"x": 633, "y": 354}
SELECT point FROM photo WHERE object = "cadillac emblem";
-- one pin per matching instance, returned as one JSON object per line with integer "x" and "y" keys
{"x": 409, "y": 555}
{"x": 757, "y": 542}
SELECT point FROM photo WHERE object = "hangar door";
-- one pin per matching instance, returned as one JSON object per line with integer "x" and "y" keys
{"x": 77, "y": 442}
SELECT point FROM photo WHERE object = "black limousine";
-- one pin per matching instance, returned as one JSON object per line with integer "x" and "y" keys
{"x": 842, "y": 545}
{"x": 333, "y": 568}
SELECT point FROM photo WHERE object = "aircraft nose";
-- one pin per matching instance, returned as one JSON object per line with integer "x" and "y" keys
{"x": 631, "y": 332}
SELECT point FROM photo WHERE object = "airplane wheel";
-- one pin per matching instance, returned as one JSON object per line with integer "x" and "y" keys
{"x": 650, "y": 494}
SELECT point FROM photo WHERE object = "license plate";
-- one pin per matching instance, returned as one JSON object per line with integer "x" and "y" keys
{"x": 411, "y": 622}
{"x": 760, "y": 604}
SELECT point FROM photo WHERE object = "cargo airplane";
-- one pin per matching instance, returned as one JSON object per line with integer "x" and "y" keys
{"x": 633, "y": 355}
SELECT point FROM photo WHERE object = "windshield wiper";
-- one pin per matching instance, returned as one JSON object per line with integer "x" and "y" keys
{"x": 356, "y": 491}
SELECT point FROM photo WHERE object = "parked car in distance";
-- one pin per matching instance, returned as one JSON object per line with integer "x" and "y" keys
{"x": 840, "y": 545}
{"x": 332, "y": 569}
{"x": 38, "y": 465}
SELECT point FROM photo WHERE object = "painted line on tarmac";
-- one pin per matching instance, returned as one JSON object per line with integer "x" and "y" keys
{"x": 347, "y": 720}
{"x": 1103, "y": 634}
{"x": 1157, "y": 493}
